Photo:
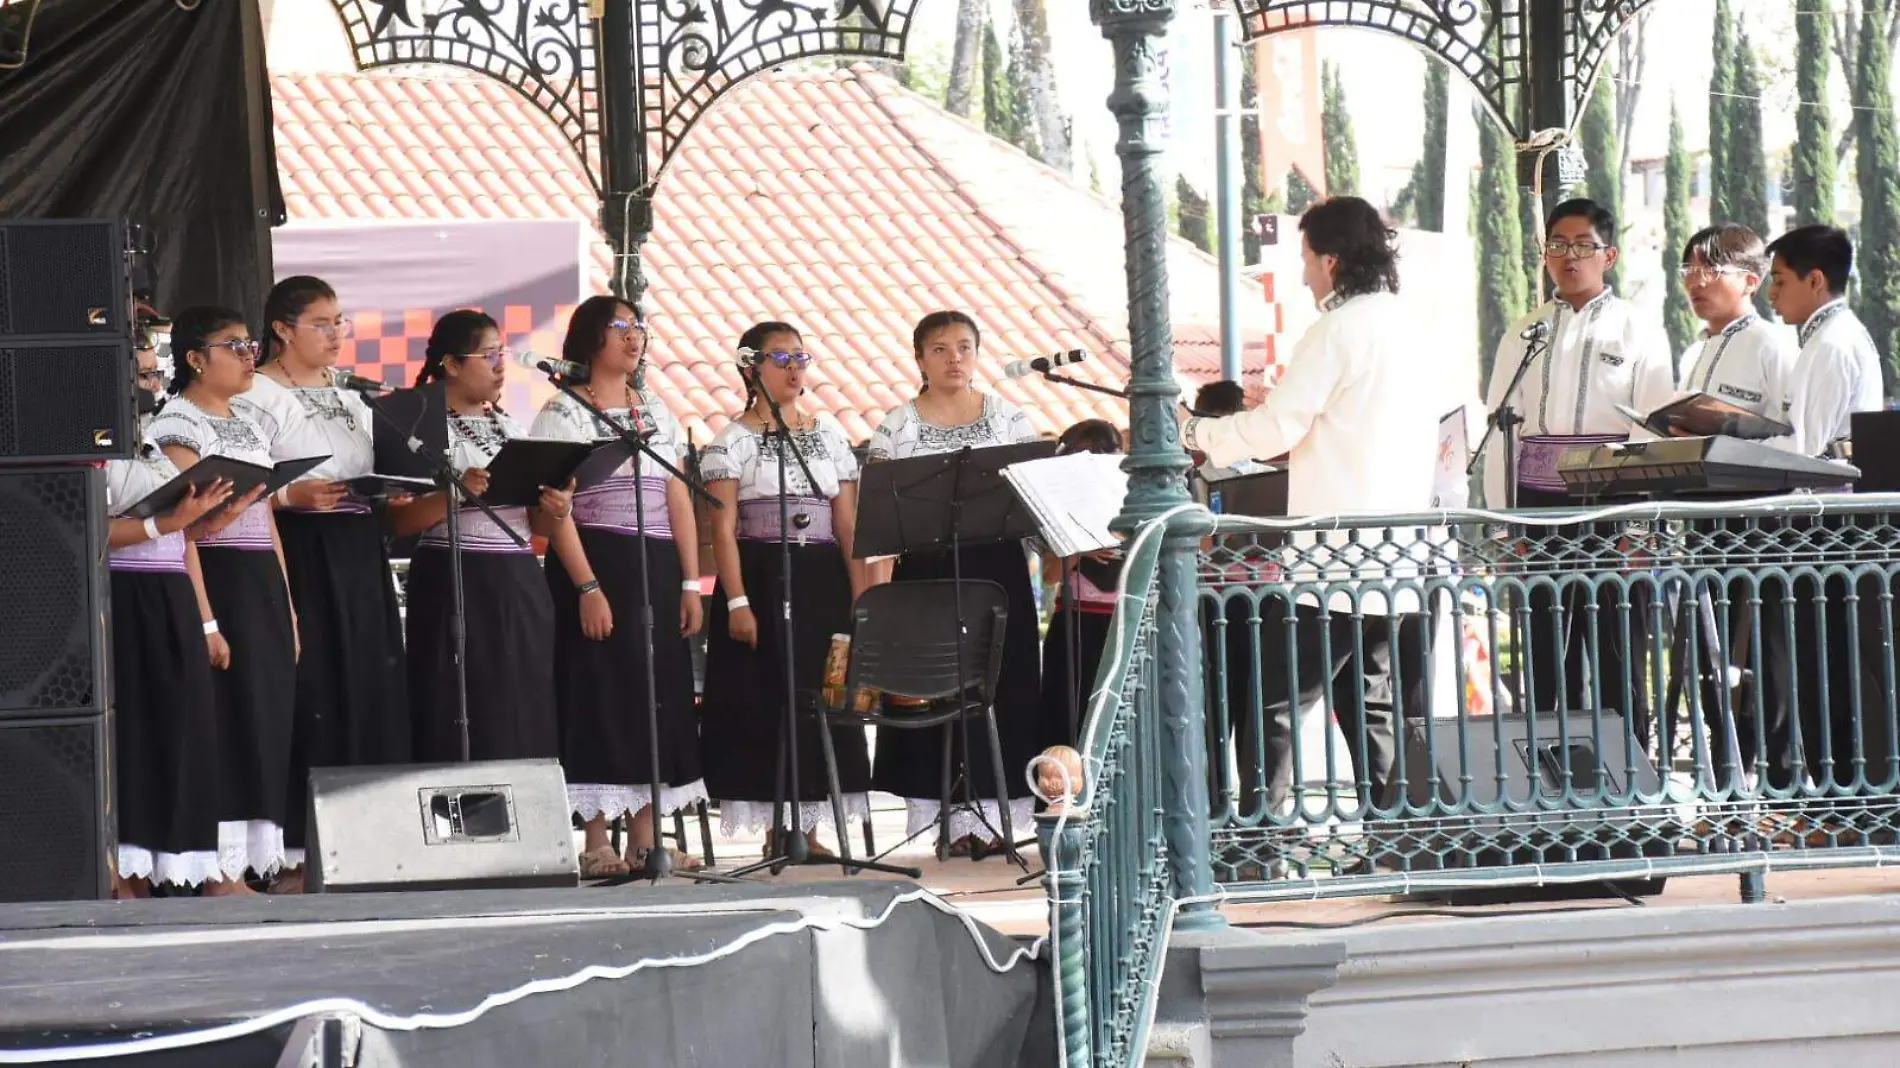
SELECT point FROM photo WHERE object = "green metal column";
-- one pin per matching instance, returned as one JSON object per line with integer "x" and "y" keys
{"x": 626, "y": 205}
{"x": 1157, "y": 464}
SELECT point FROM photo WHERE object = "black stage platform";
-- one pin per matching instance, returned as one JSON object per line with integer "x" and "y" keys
{"x": 838, "y": 975}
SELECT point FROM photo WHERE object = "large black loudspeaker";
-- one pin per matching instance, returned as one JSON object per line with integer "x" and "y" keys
{"x": 65, "y": 341}
{"x": 495, "y": 823}
{"x": 55, "y": 794}
{"x": 1535, "y": 757}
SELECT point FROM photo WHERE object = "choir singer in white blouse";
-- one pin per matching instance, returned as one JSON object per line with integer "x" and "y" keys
{"x": 1356, "y": 412}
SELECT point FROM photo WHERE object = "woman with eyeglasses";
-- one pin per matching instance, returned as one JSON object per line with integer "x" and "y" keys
{"x": 164, "y": 647}
{"x": 950, "y": 413}
{"x": 508, "y": 615}
{"x": 600, "y": 653}
{"x": 744, "y": 707}
{"x": 352, "y": 688}
{"x": 214, "y": 362}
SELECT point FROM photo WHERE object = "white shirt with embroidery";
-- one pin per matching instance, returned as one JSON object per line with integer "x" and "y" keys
{"x": 749, "y": 457}
{"x": 474, "y": 441}
{"x": 1746, "y": 364}
{"x": 1836, "y": 374}
{"x": 1605, "y": 354}
{"x": 563, "y": 419}
{"x": 313, "y": 421}
{"x": 904, "y": 433}
{"x": 239, "y": 436}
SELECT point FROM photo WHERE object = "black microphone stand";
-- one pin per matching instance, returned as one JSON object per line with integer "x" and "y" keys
{"x": 792, "y": 849}
{"x": 456, "y": 490}
{"x": 1505, "y": 420}
{"x": 1106, "y": 391}
{"x": 659, "y": 863}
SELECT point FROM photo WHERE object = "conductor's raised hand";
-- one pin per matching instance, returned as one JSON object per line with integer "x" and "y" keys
{"x": 744, "y": 627}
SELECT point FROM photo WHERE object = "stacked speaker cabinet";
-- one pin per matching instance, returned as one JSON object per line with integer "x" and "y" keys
{"x": 66, "y": 404}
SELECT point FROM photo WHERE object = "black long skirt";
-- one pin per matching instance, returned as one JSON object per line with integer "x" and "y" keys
{"x": 1091, "y": 636}
{"x": 510, "y": 658}
{"x": 352, "y": 687}
{"x": 256, "y": 695}
{"x": 600, "y": 688}
{"x": 910, "y": 763}
{"x": 744, "y": 707}
{"x": 165, "y": 716}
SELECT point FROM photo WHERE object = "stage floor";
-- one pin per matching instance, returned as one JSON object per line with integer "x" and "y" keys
{"x": 832, "y": 974}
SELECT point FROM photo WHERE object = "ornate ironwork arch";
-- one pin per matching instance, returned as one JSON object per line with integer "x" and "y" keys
{"x": 568, "y": 58}
{"x": 1531, "y": 61}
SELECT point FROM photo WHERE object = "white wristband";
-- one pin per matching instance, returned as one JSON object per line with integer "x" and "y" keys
{"x": 689, "y": 586}
{"x": 736, "y": 603}
{"x": 211, "y": 627}
{"x": 282, "y": 496}
{"x": 151, "y": 530}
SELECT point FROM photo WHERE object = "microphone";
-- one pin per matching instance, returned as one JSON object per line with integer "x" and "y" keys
{"x": 1043, "y": 364}
{"x": 342, "y": 379}
{"x": 1537, "y": 331}
{"x": 575, "y": 371}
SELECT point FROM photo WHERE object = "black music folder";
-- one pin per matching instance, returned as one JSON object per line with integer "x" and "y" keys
{"x": 923, "y": 503}
{"x": 380, "y": 487}
{"x": 524, "y": 465}
{"x": 1703, "y": 415}
{"x": 243, "y": 476}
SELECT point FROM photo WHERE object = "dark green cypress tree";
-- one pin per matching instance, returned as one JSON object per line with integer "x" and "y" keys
{"x": 1253, "y": 158}
{"x": 1747, "y": 156}
{"x": 1721, "y": 93}
{"x": 1196, "y": 220}
{"x": 1501, "y": 282}
{"x": 1877, "y": 166}
{"x": 1300, "y": 193}
{"x": 1678, "y": 318}
{"x": 1814, "y": 141}
{"x": 1342, "y": 150}
{"x": 1428, "y": 177}
{"x": 1603, "y": 182}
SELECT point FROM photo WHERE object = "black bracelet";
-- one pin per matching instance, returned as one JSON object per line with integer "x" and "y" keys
{"x": 587, "y": 587}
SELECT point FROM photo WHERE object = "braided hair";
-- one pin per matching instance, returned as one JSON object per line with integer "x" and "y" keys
{"x": 193, "y": 327}
{"x": 754, "y": 339}
{"x": 285, "y": 304}
{"x": 455, "y": 334}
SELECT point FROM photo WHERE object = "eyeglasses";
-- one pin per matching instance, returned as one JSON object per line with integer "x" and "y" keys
{"x": 153, "y": 377}
{"x": 799, "y": 359}
{"x": 340, "y": 328}
{"x": 1581, "y": 250}
{"x": 1690, "y": 273}
{"x": 496, "y": 358}
{"x": 626, "y": 327}
{"x": 242, "y": 348}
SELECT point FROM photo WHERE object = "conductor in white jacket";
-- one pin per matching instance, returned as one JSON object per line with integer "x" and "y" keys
{"x": 1356, "y": 413}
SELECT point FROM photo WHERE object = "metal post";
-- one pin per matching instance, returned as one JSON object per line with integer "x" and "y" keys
{"x": 626, "y": 208}
{"x": 1157, "y": 465}
{"x": 1545, "y": 104}
{"x": 1068, "y": 931}
{"x": 1227, "y": 183}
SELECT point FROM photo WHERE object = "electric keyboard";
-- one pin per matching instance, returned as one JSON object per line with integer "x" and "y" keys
{"x": 1695, "y": 465}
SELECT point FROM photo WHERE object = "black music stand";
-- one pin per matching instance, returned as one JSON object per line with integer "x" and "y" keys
{"x": 944, "y": 502}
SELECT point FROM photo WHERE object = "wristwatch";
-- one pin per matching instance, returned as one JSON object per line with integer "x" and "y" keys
{"x": 1189, "y": 437}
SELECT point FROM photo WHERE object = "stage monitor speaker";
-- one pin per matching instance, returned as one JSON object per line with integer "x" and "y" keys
{"x": 65, "y": 278}
{"x": 55, "y": 808}
{"x": 52, "y": 592}
{"x": 65, "y": 399}
{"x": 1534, "y": 764}
{"x": 490, "y": 824}
{"x": 1876, "y": 437}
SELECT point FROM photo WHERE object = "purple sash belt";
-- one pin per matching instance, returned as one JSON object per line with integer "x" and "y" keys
{"x": 610, "y": 506}
{"x": 1537, "y": 458}
{"x": 759, "y": 520}
{"x": 163, "y": 556}
{"x": 250, "y": 531}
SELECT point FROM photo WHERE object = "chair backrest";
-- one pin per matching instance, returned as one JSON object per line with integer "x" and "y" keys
{"x": 904, "y": 639}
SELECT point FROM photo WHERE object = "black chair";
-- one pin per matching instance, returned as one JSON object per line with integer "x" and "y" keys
{"x": 905, "y": 644}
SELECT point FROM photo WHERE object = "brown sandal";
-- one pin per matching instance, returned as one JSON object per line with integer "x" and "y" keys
{"x": 682, "y": 861}
{"x": 602, "y": 863}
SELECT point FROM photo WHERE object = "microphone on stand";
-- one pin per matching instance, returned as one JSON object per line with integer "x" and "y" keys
{"x": 1043, "y": 364}
{"x": 1537, "y": 331}
{"x": 574, "y": 372}
{"x": 342, "y": 379}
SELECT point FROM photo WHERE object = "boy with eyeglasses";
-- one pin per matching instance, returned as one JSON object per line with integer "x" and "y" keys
{"x": 1740, "y": 357}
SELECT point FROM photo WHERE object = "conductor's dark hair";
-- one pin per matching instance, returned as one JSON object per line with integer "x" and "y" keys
{"x": 459, "y": 333}
{"x": 286, "y": 302}
{"x": 190, "y": 331}
{"x": 1351, "y": 230}
{"x": 1728, "y": 245}
{"x": 755, "y": 338}
{"x": 587, "y": 327}
{"x": 1090, "y": 435}
{"x": 1225, "y": 397}
{"x": 1600, "y": 218}
{"x": 1806, "y": 249}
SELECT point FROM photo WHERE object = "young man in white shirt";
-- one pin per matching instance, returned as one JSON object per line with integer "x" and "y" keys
{"x": 1740, "y": 357}
{"x": 1836, "y": 374}
{"x": 1356, "y": 413}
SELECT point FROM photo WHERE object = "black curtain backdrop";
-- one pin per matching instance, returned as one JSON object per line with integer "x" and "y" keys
{"x": 159, "y": 112}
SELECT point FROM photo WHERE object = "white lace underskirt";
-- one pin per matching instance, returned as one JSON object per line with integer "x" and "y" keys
{"x": 752, "y": 817}
{"x": 255, "y": 845}
{"x": 175, "y": 869}
{"x": 921, "y": 817}
{"x": 590, "y": 799}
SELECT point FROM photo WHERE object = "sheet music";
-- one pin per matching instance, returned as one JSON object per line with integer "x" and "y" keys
{"x": 1074, "y": 498}
{"x": 1451, "y": 487}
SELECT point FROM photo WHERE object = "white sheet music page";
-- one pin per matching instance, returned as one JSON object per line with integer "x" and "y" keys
{"x": 1074, "y": 499}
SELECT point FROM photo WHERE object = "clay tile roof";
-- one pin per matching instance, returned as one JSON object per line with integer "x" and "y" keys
{"x": 832, "y": 198}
